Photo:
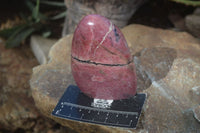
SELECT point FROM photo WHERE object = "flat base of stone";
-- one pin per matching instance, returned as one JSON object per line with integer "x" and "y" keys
{"x": 74, "y": 105}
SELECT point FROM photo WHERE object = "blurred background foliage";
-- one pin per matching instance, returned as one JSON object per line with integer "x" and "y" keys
{"x": 43, "y": 16}
{"x": 33, "y": 21}
{"x": 189, "y": 2}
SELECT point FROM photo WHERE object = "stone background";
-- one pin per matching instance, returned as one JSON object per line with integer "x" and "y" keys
{"x": 167, "y": 64}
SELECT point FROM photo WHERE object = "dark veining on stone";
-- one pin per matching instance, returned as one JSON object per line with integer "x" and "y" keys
{"x": 90, "y": 62}
{"x": 116, "y": 35}
{"x": 108, "y": 50}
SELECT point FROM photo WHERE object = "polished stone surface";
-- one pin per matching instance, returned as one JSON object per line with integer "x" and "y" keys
{"x": 102, "y": 65}
{"x": 96, "y": 39}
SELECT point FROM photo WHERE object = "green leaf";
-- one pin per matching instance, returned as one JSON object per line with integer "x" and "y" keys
{"x": 35, "y": 11}
{"x": 16, "y": 39}
{"x": 60, "y": 15}
{"x": 24, "y": 17}
{"x": 8, "y": 32}
{"x": 42, "y": 16}
{"x": 36, "y": 16}
{"x": 53, "y": 3}
{"x": 30, "y": 5}
{"x": 189, "y": 2}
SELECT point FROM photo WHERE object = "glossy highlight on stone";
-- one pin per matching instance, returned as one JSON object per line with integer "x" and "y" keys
{"x": 101, "y": 61}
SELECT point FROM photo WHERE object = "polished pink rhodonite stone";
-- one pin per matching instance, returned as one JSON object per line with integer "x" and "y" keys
{"x": 102, "y": 65}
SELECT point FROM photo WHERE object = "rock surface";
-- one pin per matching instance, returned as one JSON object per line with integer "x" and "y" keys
{"x": 18, "y": 113}
{"x": 167, "y": 66}
{"x": 118, "y": 11}
{"x": 40, "y": 47}
{"x": 197, "y": 112}
{"x": 17, "y": 109}
{"x": 193, "y": 23}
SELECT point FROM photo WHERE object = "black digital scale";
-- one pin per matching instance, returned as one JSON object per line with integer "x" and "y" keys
{"x": 75, "y": 105}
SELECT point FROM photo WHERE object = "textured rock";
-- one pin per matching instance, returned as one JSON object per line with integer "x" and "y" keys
{"x": 192, "y": 23}
{"x": 153, "y": 64}
{"x": 16, "y": 104}
{"x": 101, "y": 58}
{"x": 197, "y": 112}
{"x": 118, "y": 11}
{"x": 178, "y": 21}
{"x": 17, "y": 109}
{"x": 169, "y": 99}
{"x": 197, "y": 11}
{"x": 40, "y": 47}
{"x": 167, "y": 65}
{"x": 195, "y": 93}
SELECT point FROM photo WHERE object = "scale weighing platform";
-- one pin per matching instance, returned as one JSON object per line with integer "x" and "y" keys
{"x": 75, "y": 105}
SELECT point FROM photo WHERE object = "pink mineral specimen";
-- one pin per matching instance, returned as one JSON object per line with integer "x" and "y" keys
{"x": 102, "y": 65}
